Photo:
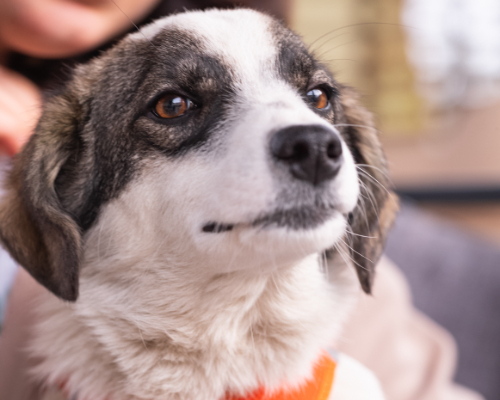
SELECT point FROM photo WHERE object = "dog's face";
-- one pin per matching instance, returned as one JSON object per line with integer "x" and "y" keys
{"x": 215, "y": 136}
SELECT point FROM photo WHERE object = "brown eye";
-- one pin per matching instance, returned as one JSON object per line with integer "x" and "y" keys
{"x": 172, "y": 106}
{"x": 318, "y": 98}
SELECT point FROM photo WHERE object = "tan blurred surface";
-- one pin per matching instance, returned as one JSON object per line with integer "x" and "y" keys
{"x": 463, "y": 151}
{"x": 483, "y": 219}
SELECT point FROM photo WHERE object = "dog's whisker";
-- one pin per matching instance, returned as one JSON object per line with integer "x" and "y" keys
{"x": 369, "y": 193}
{"x": 331, "y": 60}
{"x": 372, "y": 200}
{"x": 355, "y": 26}
{"x": 358, "y": 126}
{"x": 350, "y": 258}
{"x": 373, "y": 179}
{"x": 345, "y": 257}
{"x": 278, "y": 290}
{"x": 325, "y": 35}
{"x": 363, "y": 196}
{"x": 140, "y": 334}
{"x": 324, "y": 265}
{"x": 133, "y": 23}
{"x": 320, "y": 56}
{"x": 354, "y": 251}
{"x": 361, "y": 206}
{"x": 363, "y": 236}
{"x": 361, "y": 167}
{"x": 367, "y": 186}
{"x": 328, "y": 40}
{"x": 374, "y": 182}
{"x": 384, "y": 173}
{"x": 253, "y": 339}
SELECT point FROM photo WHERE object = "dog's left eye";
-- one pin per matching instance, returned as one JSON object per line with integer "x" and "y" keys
{"x": 172, "y": 106}
{"x": 318, "y": 98}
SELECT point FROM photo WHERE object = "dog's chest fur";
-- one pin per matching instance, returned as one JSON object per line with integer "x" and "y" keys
{"x": 198, "y": 340}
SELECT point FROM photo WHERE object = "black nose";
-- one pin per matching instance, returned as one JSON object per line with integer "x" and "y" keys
{"x": 313, "y": 153}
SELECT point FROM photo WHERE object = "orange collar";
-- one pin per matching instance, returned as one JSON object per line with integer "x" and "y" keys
{"x": 318, "y": 388}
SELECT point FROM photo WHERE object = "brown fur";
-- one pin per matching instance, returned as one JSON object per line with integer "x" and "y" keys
{"x": 34, "y": 227}
{"x": 377, "y": 205}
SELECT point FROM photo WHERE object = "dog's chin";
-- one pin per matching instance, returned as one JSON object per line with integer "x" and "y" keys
{"x": 296, "y": 237}
{"x": 270, "y": 241}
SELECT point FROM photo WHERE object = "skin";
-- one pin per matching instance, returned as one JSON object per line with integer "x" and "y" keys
{"x": 51, "y": 29}
{"x": 20, "y": 108}
{"x": 62, "y": 28}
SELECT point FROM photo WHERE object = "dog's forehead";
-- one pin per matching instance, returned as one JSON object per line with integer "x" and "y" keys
{"x": 248, "y": 41}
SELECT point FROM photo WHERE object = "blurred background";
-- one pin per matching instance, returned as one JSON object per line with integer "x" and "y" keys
{"x": 430, "y": 72}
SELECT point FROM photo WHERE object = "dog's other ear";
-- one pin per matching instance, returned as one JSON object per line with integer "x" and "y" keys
{"x": 34, "y": 227}
{"x": 377, "y": 205}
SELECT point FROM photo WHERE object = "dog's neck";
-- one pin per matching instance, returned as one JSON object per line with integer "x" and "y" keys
{"x": 198, "y": 339}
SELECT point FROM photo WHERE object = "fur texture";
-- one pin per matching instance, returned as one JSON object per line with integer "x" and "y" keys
{"x": 197, "y": 262}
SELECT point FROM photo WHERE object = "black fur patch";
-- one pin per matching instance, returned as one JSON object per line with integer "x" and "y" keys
{"x": 120, "y": 130}
{"x": 298, "y": 67}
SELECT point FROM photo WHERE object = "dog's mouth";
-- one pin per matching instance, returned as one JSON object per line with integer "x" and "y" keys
{"x": 215, "y": 227}
{"x": 294, "y": 219}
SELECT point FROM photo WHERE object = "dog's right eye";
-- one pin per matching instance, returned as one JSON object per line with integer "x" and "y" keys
{"x": 318, "y": 98}
{"x": 172, "y": 106}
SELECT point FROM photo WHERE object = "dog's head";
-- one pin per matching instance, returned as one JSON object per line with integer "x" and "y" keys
{"x": 204, "y": 133}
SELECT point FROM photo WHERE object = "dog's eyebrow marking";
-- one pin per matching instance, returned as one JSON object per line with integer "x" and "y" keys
{"x": 321, "y": 76}
{"x": 203, "y": 78}
{"x": 294, "y": 62}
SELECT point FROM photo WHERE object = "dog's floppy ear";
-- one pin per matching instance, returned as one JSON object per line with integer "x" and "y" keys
{"x": 377, "y": 204}
{"x": 34, "y": 227}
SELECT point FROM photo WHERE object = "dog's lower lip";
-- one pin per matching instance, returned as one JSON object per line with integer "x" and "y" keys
{"x": 214, "y": 227}
{"x": 297, "y": 219}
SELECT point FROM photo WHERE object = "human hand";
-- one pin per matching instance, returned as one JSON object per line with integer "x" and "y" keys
{"x": 20, "y": 109}
{"x": 64, "y": 28}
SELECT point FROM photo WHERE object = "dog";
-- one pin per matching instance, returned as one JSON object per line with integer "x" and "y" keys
{"x": 204, "y": 200}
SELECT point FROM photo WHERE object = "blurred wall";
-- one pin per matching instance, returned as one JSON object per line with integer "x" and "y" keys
{"x": 363, "y": 42}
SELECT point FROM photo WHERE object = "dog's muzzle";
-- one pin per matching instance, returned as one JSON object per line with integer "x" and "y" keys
{"x": 312, "y": 153}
